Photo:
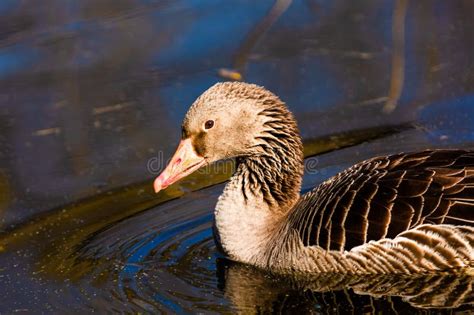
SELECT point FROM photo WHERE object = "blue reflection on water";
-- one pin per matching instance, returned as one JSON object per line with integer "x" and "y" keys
{"x": 203, "y": 34}
{"x": 6, "y": 5}
{"x": 16, "y": 58}
{"x": 454, "y": 125}
{"x": 144, "y": 247}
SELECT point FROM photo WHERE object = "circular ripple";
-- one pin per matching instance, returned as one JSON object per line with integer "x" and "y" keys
{"x": 164, "y": 258}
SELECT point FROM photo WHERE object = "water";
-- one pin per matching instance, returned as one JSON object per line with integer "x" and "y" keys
{"x": 92, "y": 93}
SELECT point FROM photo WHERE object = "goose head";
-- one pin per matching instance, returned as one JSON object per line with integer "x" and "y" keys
{"x": 231, "y": 119}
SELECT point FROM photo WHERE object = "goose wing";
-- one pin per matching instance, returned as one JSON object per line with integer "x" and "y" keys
{"x": 384, "y": 196}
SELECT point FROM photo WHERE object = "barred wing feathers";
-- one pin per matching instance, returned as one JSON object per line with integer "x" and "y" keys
{"x": 385, "y": 196}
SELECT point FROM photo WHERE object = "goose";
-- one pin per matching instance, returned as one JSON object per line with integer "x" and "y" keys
{"x": 405, "y": 213}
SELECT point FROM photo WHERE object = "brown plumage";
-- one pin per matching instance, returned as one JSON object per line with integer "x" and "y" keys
{"x": 384, "y": 196}
{"x": 405, "y": 213}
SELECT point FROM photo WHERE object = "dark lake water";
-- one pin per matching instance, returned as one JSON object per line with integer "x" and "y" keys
{"x": 92, "y": 94}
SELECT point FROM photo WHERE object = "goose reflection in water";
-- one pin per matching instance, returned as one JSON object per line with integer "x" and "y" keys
{"x": 251, "y": 289}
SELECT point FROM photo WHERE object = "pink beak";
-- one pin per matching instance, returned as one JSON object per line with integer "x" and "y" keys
{"x": 184, "y": 162}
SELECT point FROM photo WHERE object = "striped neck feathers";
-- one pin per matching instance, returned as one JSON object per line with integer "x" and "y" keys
{"x": 263, "y": 189}
{"x": 274, "y": 175}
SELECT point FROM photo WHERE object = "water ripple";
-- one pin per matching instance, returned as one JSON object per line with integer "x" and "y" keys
{"x": 164, "y": 258}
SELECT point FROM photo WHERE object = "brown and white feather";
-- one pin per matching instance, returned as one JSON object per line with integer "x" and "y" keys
{"x": 404, "y": 213}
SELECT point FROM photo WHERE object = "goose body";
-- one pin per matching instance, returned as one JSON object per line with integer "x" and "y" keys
{"x": 405, "y": 213}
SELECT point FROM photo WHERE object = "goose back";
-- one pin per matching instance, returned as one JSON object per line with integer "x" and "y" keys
{"x": 385, "y": 196}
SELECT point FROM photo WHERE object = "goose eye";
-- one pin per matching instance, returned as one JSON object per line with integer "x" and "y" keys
{"x": 209, "y": 124}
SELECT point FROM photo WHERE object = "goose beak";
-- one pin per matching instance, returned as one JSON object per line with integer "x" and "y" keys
{"x": 184, "y": 162}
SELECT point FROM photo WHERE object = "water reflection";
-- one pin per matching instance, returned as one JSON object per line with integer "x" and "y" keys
{"x": 254, "y": 291}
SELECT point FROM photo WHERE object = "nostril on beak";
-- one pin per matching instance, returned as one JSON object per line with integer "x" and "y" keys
{"x": 178, "y": 161}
